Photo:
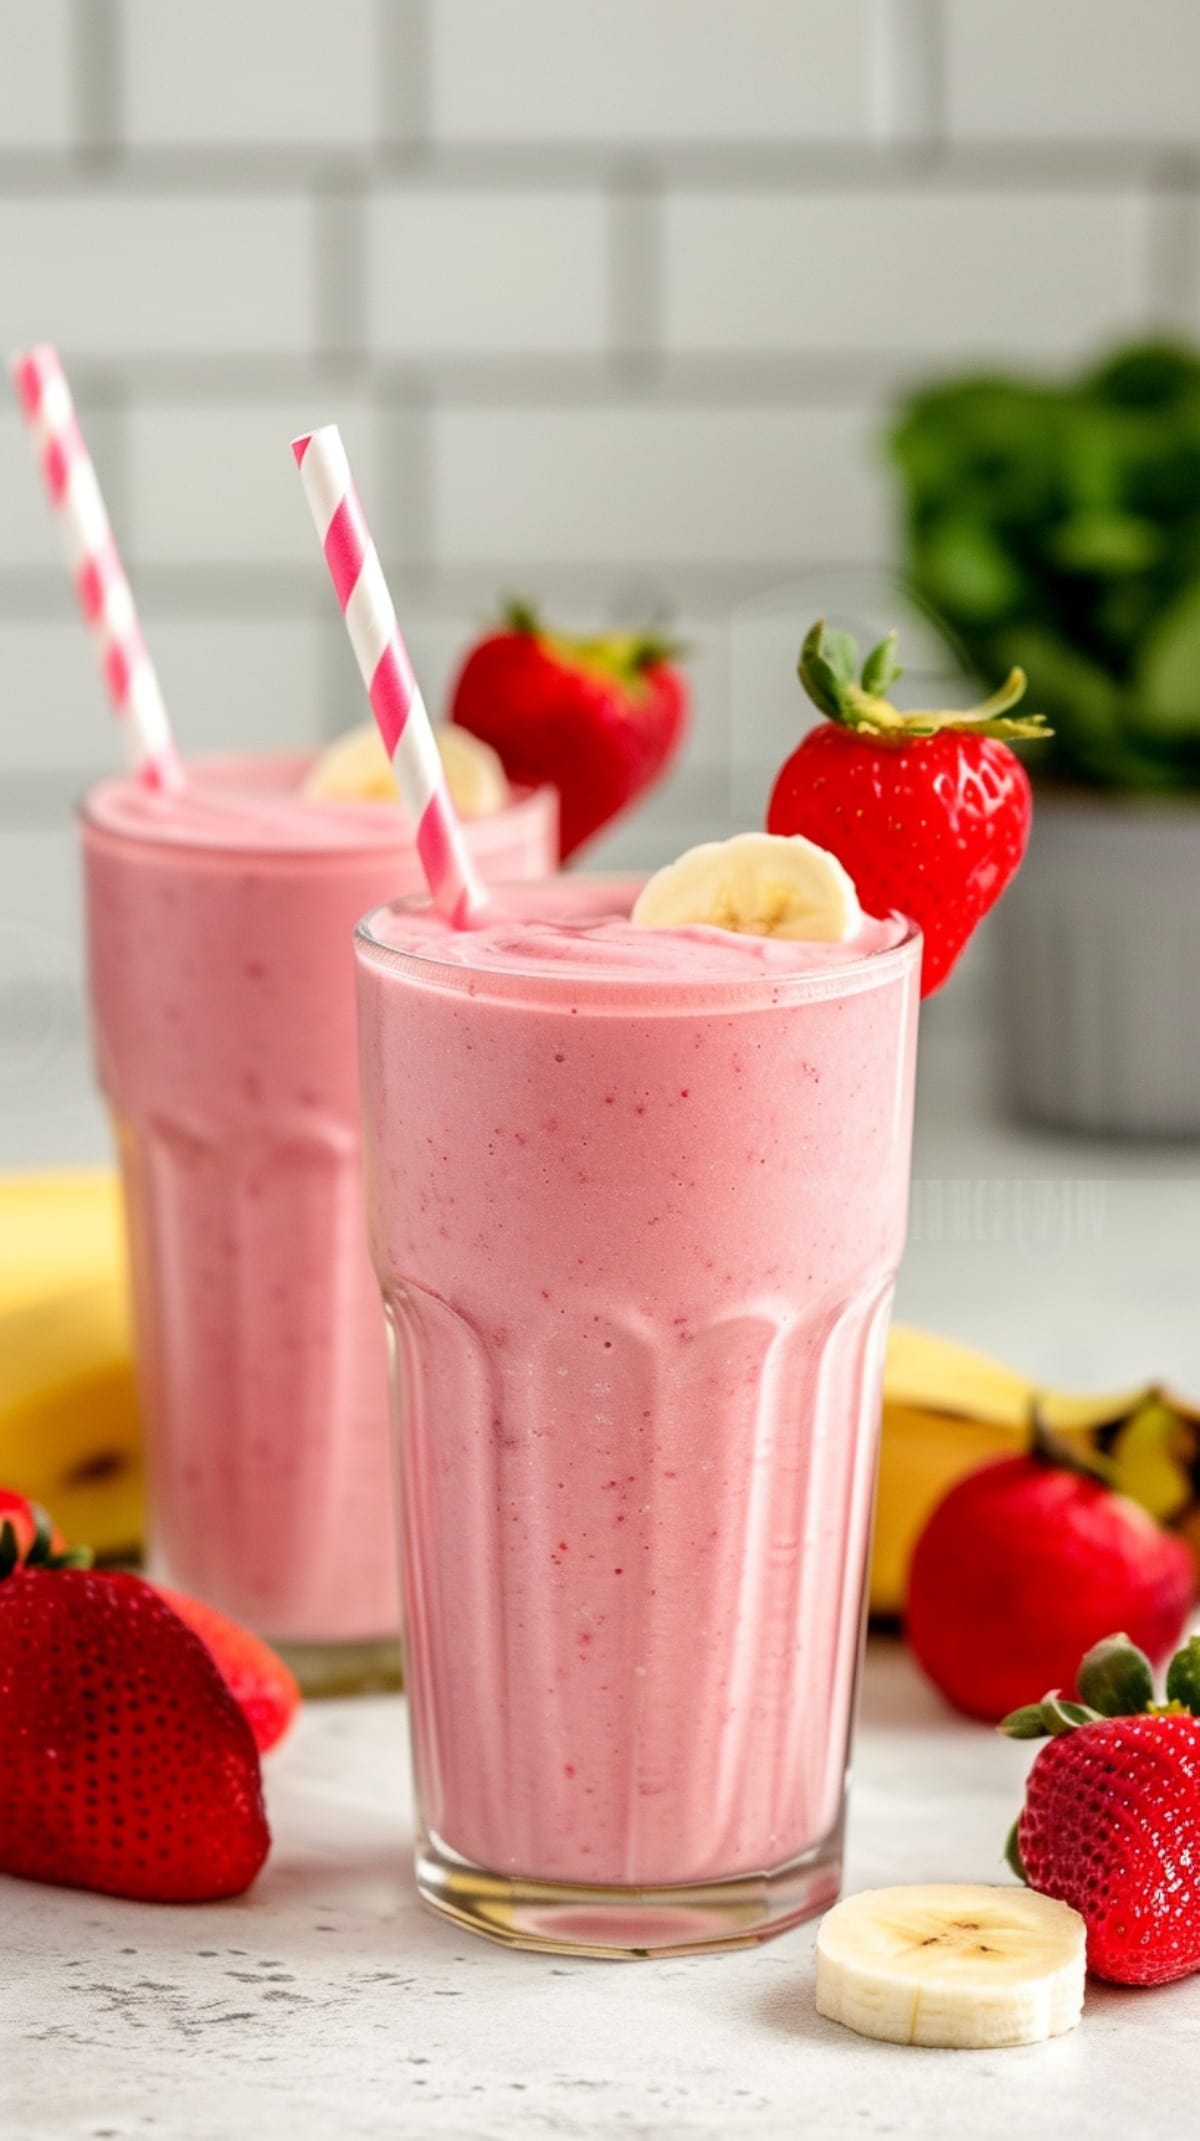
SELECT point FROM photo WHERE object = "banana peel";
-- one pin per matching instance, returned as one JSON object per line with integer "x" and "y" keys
{"x": 948, "y": 1409}
{"x": 69, "y": 1429}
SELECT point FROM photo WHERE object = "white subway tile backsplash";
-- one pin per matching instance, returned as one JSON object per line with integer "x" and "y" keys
{"x": 110, "y": 273}
{"x": 49, "y": 1113}
{"x": 654, "y": 486}
{"x": 706, "y": 651}
{"x": 483, "y": 273}
{"x": 1077, "y": 70}
{"x": 438, "y": 643}
{"x": 56, "y": 716}
{"x": 633, "y": 72}
{"x": 231, "y": 683}
{"x": 29, "y": 532}
{"x": 240, "y": 683}
{"x": 216, "y": 483}
{"x": 916, "y": 271}
{"x": 41, "y": 910}
{"x": 250, "y": 72}
{"x": 35, "y": 76}
{"x": 660, "y": 204}
{"x": 692, "y": 804}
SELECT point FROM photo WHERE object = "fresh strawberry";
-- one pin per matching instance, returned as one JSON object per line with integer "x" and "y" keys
{"x": 128, "y": 1766}
{"x": 1025, "y": 1563}
{"x": 255, "y": 1675}
{"x": 1111, "y": 1820}
{"x": 929, "y": 812}
{"x": 600, "y": 719}
{"x": 259, "y": 1681}
{"x": 31, "y": 1526}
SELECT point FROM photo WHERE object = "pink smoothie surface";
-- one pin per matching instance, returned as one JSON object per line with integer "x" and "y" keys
{"x": 637, "y": 1200}
{"x": 220, "y": 925}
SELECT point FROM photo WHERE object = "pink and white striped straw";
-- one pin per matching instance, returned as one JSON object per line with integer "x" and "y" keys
{"x": 99, "y": 576}
{"x": 387, "y": 672}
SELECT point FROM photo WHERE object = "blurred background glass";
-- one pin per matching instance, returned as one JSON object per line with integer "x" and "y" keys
{"x": 619, "y": 305}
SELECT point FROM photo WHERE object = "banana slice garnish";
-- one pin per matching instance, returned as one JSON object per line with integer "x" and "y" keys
{"x": 757, "y": 884}
{"x": 355, "y": 769}
{"x": 965, "y": 1967}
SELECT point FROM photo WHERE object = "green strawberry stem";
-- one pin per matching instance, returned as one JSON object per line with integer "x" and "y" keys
{"x": 626, "y": 655}
{"x": 1048, "y": 1447}
{"x": 1183, "y": 1676}
{"x": 519, "y": 615}
{"x": 40, "y": 1553}
{"x": 829, "y": 671}
{"x": 1115, "y": 1680}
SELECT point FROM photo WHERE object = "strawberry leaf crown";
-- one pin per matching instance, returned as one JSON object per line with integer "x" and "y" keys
{"x": 41, "y": 1552}
{"x": 857, "y": 699}
{"x": 618, "y": 653}
{"x": 1114, "y": 1680}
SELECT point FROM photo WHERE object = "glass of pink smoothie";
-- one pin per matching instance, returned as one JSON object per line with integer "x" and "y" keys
{"x": 636, "y": 1199}
{"x": 222, "y": 989}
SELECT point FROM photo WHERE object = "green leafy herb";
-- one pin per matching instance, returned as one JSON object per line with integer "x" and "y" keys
{"x": 1055, "y": 528}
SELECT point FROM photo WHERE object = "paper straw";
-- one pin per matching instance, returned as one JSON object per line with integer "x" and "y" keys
{"x": 96, "y": 568}
{"x": 387, "y": 672}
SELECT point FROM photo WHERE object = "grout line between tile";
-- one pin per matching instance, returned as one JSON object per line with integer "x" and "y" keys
{"x": 97, "y": 69}
{"x": 403, "y": 38}
{"x": 897, "y": 164}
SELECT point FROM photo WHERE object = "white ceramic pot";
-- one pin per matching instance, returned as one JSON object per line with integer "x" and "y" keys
{"x": 1098, "y": 946}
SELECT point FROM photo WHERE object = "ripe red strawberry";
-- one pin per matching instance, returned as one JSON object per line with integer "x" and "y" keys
{"x": 1023, "y": 1565}
{"x": 128, "y": 1766}
{"x": 600, "y": 719}
{"x": 929, "y": 812}
{"x": 30, "y": 1524}
{"x": 257, "y": 1678}
{"x": 1111, "y": 1820}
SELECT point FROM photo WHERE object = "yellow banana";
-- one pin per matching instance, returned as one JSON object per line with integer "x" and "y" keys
{"x": 69, "y": 1433}
{"x": 948, "y": 1409}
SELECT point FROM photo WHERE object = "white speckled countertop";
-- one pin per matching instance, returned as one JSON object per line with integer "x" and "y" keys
{"x": 329, "y": 2003}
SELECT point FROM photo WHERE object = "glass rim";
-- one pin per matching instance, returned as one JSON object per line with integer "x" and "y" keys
{"x": 639, "y": 989}
{"x": 389, "y": 829}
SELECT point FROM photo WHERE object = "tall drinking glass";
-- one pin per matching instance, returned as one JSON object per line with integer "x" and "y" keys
{"x": 220, "y": 922}
{"x": 636, "y": 1201}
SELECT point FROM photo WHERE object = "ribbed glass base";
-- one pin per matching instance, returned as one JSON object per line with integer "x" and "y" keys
{"x": 344, "y": 1668}
{"x": 626, "y": 1923}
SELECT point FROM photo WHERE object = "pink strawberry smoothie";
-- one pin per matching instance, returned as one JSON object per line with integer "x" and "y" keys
{"x": 222, "y": 982}
{"x": 636, "y": 1199}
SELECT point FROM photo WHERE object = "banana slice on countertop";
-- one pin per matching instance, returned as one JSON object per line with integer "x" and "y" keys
{"x": 355, "y": 769}
{"x": 965, "y": 1967}
{"x": 757, "y": 884}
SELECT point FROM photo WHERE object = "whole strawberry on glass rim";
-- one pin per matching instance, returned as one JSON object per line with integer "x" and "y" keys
{"x": 929, "y": 811}
{"x": 599, "y": 718}
{"x": 1111, "y": 1819}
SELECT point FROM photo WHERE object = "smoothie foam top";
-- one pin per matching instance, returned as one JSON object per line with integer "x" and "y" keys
{"x": 578, "y": 930}
{"x": 254, "y": 803}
